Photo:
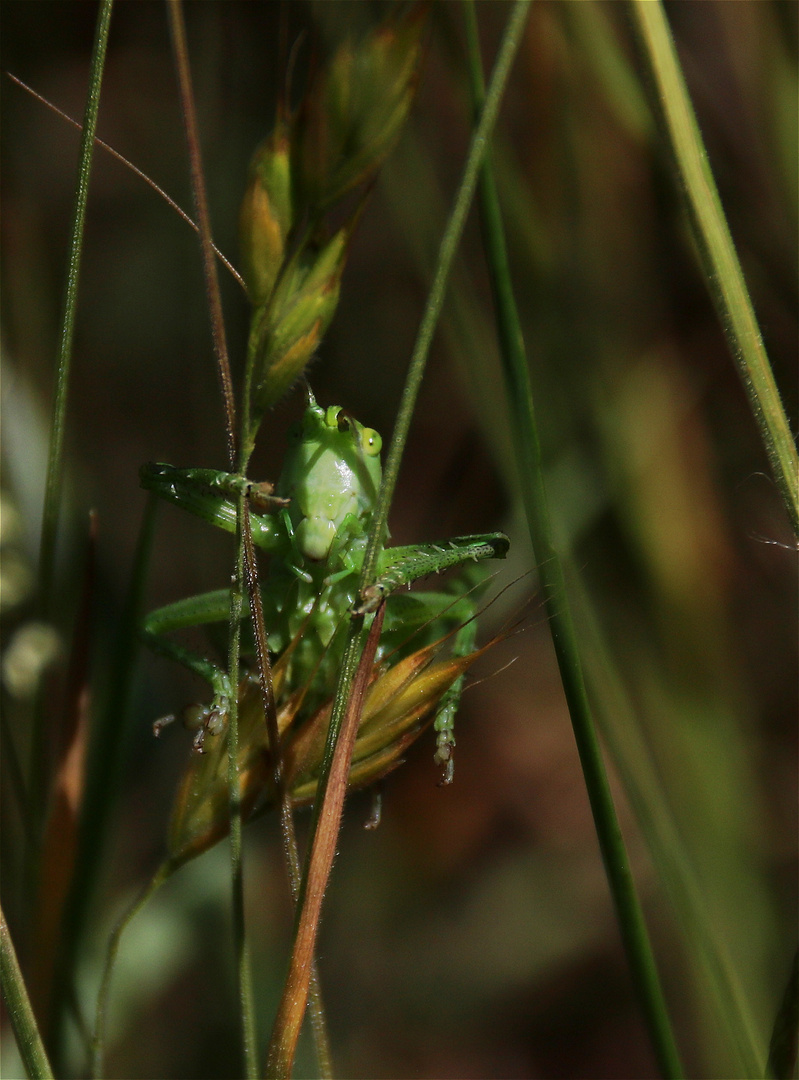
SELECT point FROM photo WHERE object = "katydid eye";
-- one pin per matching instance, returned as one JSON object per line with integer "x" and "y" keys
{"x": 371, "y": 441}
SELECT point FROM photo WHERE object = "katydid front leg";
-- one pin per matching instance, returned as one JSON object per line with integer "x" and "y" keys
{"x": 194, "y": 611}
{"x": 211, "y": 495}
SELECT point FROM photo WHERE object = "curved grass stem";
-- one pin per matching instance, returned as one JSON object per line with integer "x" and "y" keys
{"x": 717, "y": 252}
{"x": 286, "y": 1027}
{"x": 20, "y": 1013}
{"x": 55, "y": 464}
{"x": 316, "y": 1008}
{"x": 435, "y": 299}
{"x": 167, "y": 198}
{"x": 38, "y": 772}
{"x": 240, "y": 943}
{"x": 525, "y": 436}
{"x": 98, "y": 1040}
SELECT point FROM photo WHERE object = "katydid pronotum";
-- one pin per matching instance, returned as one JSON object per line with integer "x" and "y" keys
{"x": 316, "y": 535}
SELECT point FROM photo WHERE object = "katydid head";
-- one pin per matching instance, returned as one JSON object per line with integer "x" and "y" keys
{"x": 332, "y": 472}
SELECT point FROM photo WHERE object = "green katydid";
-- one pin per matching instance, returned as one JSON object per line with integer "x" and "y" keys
{"x": 316, "y": 534}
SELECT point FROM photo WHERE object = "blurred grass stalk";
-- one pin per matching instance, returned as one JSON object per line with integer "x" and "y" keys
{"x": 40, "y": 775}
{"x": 55, "y": 465}
{"x": 20, "y": 1013}
{"x": 38, "y": 778}
{"x": 720, "y": 992}
{"x": 720, "y": 262}
{"x": 533, "y": 488}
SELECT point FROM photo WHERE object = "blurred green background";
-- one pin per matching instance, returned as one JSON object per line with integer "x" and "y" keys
{"x": 472, "y": 934}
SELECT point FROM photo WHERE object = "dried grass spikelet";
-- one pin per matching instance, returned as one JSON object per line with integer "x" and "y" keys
{"x": 400, "y": 703}
{"x": 266, "y": 215}
{"x": 288, "y": 329}
{"x": 353, "y": 113}
{"x": 335, "y": 141}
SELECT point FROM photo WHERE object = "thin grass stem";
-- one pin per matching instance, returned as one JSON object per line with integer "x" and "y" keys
{"x": 322, "y": 849}
{"x": 449, "y": 245}
{"x": 245, "y": 567}
{"x": 55, "y": 464}
{"x": 178, "y": 31}
{"x": 525, "y": 433}
{"x": 316, "y": 1008}
{"x": 722, "y": 269}
{"x": 282, "y": 1039}
{"x": 231, "y": 269}
{"x": 38, "y": 775}
{"x": 20, "y": 1013}
{"x": 98, "y": 1040}
{"x": 240, "y": 943}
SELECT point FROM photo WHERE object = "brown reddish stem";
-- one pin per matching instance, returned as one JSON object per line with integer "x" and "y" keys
{"x": 295, "y": 992}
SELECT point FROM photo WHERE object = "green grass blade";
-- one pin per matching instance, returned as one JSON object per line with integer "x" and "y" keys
{"x": 180, "y": 49}
{"x": 448, "y": 247}
{"x": 721, "y": 265}
{"x": 449, "y": 243}
{"x": 98, "y": 1048}
{"x": 38, "y": 768}
{"x": 643, "y": 785}
{"x": 55, "y": 465}
{"x": 525, "y": 430}
{"x": 39, "y": 755}
{"x": 101, "y": 783}
{"x": 15, "y": 996}
{"x": 447, "y": 250}
{"x": 249, "y": 1044}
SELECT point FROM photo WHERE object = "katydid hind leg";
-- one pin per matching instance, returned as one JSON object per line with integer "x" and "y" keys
{"x": 444, "y": 723}
{"x": 194, "y": 611}
{"x": 452, "y": 608}
{"x": 402, "y": 566}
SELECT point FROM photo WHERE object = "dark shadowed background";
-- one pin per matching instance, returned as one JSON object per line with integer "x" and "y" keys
{"x": 472, "y": 934}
